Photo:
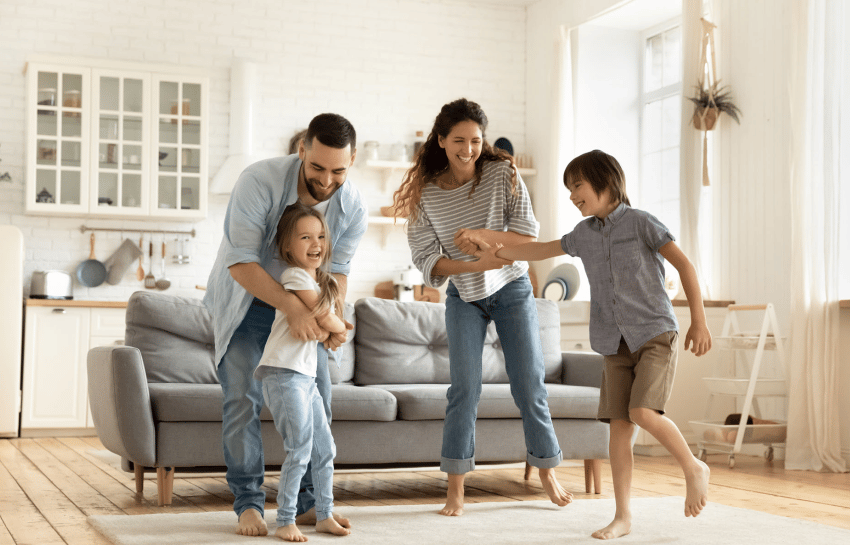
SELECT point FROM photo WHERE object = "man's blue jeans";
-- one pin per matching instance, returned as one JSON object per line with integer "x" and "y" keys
{"x": 243, "y": 400}
{"x": 514, "y": 311}
{"x": 299, "y": 417}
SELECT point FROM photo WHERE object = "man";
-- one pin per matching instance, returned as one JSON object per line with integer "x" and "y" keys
{"x": 243, "y": 293}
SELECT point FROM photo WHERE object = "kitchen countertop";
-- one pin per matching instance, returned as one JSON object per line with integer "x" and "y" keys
{"x": 75, "y": 303}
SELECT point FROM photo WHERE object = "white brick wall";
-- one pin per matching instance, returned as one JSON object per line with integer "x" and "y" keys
{"x": 387, "y": 65}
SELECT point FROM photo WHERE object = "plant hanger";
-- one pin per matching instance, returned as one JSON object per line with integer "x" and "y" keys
{"x": 711, "y": 99}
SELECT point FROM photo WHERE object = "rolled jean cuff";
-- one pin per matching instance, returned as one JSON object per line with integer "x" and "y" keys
{"x": 322, "y": 515}
{"x": 545, "y": 463}
{"x": 284, "y": 522}
{"x": 242, "y": 509}
{"x": 456, "y": 467}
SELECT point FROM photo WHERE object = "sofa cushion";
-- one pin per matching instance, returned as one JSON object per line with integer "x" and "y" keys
{"x": 428, "y": 401}
{"x": 406, "y": 343}
{"x": 202, "y": 403}
{"x": 174, "y": 335}
{"x": 350, "y": 402}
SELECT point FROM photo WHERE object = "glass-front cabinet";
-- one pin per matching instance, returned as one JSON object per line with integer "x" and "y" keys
{"x": 58, "y": 140}
{"x": 108, "y": 142}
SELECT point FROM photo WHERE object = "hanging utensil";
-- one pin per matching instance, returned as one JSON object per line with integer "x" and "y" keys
{"x": 91, "y": 272}
{"x": 150, "y": 280}
{"x": 163, "y": 283}
{"x": 140, "y": 272}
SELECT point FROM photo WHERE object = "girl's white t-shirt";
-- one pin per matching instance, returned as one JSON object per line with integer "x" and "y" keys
{"x": 282, "y": 349}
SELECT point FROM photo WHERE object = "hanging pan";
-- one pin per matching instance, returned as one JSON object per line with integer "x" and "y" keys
{"x": 91, "y": 272}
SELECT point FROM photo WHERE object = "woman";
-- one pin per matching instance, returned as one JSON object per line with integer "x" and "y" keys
{"x": 460, "y": 189}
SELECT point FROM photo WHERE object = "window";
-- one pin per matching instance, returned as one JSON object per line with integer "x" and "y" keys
{"x": 661, "y": 112}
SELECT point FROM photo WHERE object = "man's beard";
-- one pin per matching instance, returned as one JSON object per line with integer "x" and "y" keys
{"x": 314, "y": 187}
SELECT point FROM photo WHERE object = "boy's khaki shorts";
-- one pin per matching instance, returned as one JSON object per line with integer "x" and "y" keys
{"x": 643, "y": 379}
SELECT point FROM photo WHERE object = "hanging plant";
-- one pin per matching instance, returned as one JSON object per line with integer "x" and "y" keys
{"x": 709, "y": 103}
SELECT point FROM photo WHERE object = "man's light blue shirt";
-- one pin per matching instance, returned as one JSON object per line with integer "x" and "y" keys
{"x": 259, "y": 197}
{"x": 626, "y": 275}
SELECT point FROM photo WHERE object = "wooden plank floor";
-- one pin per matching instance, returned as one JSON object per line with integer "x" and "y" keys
{"x": 48, "y": 486}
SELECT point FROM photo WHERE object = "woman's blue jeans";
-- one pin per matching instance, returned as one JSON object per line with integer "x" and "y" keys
{"x": 514, "y": 311}
{"x": 299, "y": 417}
{"x": 243, "y": 400}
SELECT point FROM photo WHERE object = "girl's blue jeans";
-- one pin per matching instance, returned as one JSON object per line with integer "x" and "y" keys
{"x": 514, "y": 311}
{"x": 299, "y": 417}
{"x": 243, "y": 400}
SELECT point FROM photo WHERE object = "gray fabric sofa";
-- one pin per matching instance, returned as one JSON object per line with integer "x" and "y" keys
{"x": 157, "y": 402}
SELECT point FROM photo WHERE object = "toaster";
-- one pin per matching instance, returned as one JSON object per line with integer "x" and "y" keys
{"x": 51, "y": 285}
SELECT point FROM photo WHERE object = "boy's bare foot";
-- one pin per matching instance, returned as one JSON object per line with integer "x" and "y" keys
{"x": 290, "y": 532}
{"x": 308, "y": 518}
{"x": 696, "y": 482}
{"x": 251, "y": 523}
{"x": 454, "y": 497}
{"x": 619, "y": 527}
{"x": 331, "y": 526}
{"x": 553, "y": 488}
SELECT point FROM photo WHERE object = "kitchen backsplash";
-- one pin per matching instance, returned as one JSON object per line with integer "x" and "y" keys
{"x": 387, "y": 65}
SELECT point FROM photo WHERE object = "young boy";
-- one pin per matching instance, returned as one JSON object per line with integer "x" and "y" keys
{"x": 632, "y": 322}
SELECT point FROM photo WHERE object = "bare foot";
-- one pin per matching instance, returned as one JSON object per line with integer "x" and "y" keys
{"x": 696, "y": 482}
{"x": 454, "y": 497}
{"x": 308, "y": 518}
{"x": 331, "y": 526}
{"x": 619, "y": 527}
{"x": 553, "y": 488}
{"x": 290, "y": 532}
{"x": 251, "y": 523}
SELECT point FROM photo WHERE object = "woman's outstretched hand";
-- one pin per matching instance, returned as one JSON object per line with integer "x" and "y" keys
{"x": 468, "y": 241}
{"x": 487, "y": 257}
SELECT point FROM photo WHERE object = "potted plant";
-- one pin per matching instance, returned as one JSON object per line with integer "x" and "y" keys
{"x": 710, "y": 102}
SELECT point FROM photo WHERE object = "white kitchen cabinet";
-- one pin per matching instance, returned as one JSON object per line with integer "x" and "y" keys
{"x": 57, "y": 340}
{"x": 575, "y": 325}
{"x": 107, "y": 141}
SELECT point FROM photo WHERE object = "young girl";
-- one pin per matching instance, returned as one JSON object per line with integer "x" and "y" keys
{"x": 288, "y": 371}
{"x": 460, "y": 187}
{"x": 631, "y": 323}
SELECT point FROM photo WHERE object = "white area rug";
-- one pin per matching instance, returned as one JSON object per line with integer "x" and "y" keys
{"x": 657, "y": 520}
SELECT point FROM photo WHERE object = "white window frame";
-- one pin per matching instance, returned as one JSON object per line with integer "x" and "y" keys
{"x": 670, "y": 90}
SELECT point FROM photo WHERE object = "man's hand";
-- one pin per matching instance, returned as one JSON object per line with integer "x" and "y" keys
{"x": 303, "y": 326}
{"x": 335, "y": 340}
{"x": 468, "y": 241}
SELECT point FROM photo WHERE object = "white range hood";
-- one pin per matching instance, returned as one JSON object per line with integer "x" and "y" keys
{"x": 243, "y": 89}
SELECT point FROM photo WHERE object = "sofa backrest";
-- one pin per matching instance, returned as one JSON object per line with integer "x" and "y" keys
{"x": 406, "y": 343}
{"x": 174, "y": 335}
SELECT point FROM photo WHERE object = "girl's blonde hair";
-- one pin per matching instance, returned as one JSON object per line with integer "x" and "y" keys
{"x": 431, "y": 160}
{"x": 329, "y": 293}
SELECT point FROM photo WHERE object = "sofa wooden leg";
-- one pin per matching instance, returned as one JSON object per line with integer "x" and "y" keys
{"x": 527, "y": 475}
{"x": 139, "y": 472}
{"x": 593, "y": 471}
{"x": 164, "y": 484}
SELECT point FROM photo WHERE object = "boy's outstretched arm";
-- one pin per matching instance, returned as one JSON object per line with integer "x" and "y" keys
{"x": 698, "y": 334}
{"x": 530, "y": 251}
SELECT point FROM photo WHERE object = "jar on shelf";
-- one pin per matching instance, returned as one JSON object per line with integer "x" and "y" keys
{"x": 72, "y": 100}
{"x": 47, "y": 96}
{"x": 417, "y": 142}
{"x": 370, "y": 150}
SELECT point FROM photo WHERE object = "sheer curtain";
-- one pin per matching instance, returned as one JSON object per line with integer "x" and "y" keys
{"x": 690, "y": 159}
{"x": 818, "y": 109}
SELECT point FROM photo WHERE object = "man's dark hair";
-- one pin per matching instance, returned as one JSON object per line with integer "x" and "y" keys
{"x": 332, "y": 130}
